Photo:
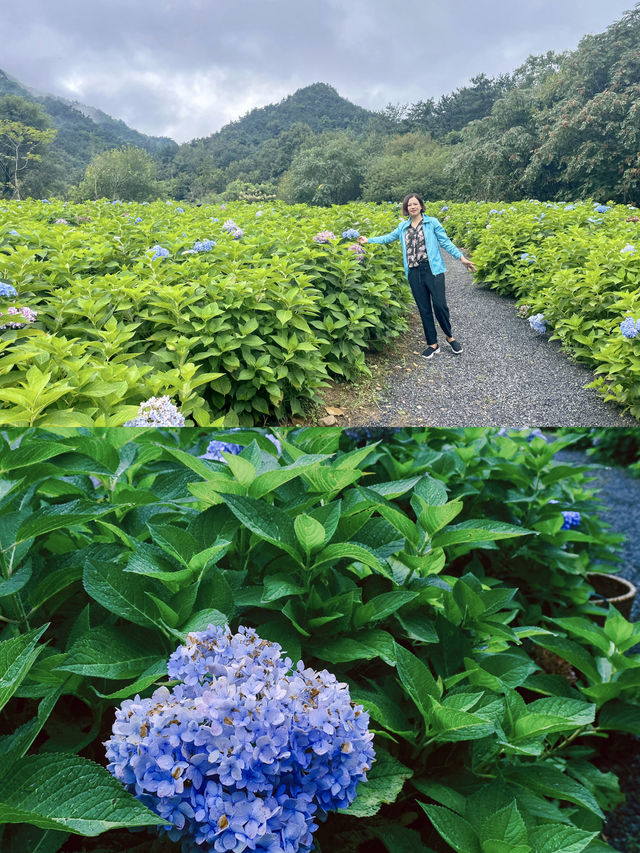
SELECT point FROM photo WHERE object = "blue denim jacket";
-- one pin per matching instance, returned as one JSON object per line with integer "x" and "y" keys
{"x": 434, "y": 234}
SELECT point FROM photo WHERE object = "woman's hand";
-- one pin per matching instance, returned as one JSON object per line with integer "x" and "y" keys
{"x": 362, "y": 239}
{"x": 468, "y": 264}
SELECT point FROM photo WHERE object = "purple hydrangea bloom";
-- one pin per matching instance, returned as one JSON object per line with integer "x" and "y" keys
{"x": 350, "y": 234}
{"x": 324, "y": 237}
{"x": 155, "y": 412}
{"x": 630, "y": 327}
{"x": 537, "y": 323}
{"x": 571, "y": 519}
{"x": 247, "y": 751}
{"x": 24, "y": 312}
{"x": 7, "y": 289}
{"x": 232, "y": 228}
{"x": 61, "y": 222}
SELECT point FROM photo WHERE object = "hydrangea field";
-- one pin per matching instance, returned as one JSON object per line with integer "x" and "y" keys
{"x": 292, "y": 639}
{"x": 575, "y": 271}
{"x": 238, "y": 314}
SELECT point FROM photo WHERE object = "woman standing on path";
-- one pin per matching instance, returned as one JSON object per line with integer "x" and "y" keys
{"x": 419, "y": 236}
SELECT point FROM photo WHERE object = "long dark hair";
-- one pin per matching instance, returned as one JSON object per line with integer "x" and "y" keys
{"x": 405, "y": 201}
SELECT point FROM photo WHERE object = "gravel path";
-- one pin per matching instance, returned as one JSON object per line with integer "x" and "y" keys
{"x": 620, "y": 495}
{"x": 507, "y": 375}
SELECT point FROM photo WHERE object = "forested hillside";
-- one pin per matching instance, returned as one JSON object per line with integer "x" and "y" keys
{"x": 560, "y": 126}
{"x": 81, "y": 133}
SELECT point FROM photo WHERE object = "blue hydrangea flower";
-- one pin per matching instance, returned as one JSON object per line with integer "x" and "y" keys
{"x": 443, "y": 208}
{"x": 247, "y": 751}
{"x": 538, "y": 324}
{"x": 159, "y": 252}
{"x": 45, "y": 201}
{"x": 14, "y": 233}
{"x": 594, "y": 220}
{"x": 7, "y": 289}
{"x": 630, "y": 327}
{"x": 601, "y": 208}
{"x": 493, "y": 210}
{"x": 530, "y": 259}
{"x": 179, "y": 210}
{"x": 203, "y": 245}
{"x": 138, "y": 219}
{"x": 570, "y": 207}
{"x": 350, "y": 234}
{"x": 258, "y": 213}
{"x": 571, "y": 519}
{"x": 629, "y": 248}
{"x": 215, "y": 449}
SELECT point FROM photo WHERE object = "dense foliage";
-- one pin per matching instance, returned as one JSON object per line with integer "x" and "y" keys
{"x": 434, "y": 573}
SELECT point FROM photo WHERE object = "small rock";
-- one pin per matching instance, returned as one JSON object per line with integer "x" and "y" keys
{"x": 328, "y": 421}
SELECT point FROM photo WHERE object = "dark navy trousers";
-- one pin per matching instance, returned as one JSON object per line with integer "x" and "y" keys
{"x": 428, "y": 292}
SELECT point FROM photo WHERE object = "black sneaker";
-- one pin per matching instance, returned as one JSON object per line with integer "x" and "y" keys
{"x": 456, "y": 346}
{"x": 429, "y": 352}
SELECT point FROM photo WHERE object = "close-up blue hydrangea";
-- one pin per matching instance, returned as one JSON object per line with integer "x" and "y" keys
{"x": 630, "y": 328}
{"x": 216, "y": 447}
{"x": 530, "y": 259}
{"x": 601, "y": 208}
{"x": 247, "y": 751}
{"x": 571, "y": 519}
{"x": 350, "y": 234}
{"x": 7, "y": 289}
{"x": 538, "y": 324}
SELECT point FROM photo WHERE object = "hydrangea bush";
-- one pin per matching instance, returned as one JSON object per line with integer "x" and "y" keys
{"x": 247, "y": 751}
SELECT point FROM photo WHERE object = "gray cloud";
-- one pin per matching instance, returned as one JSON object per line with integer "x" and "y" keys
{"x": 183, "y": 68}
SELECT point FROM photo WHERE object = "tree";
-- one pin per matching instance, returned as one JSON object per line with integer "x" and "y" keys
{"x": 24, "y": 134}
{"x": 126, "y": 173}
{"x": 412, "y": 162}
{"x": 330, "y": 171}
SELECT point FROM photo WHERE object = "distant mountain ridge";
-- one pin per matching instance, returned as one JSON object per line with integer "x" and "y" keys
{"x": 83, "y": 131}
{"x": 318, "y": 105}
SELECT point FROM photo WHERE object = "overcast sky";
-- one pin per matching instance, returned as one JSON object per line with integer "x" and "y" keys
{"x": 184, "y": 68}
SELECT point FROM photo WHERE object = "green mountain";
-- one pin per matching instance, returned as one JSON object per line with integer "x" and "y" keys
{"x": 318, "y": 106}
{"x": 83, "y": 131}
